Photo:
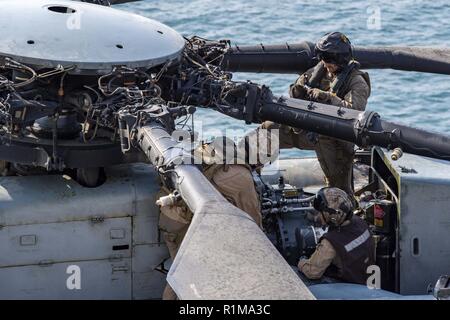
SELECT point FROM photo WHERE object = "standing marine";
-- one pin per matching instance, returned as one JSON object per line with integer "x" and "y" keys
{"x": 335, "y": 80}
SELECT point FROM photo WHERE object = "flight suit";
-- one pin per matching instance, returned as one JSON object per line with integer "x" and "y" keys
{"x": 233, "y": 181}
{"x": 335, "y": 156}
{"x": 343, "y": 253}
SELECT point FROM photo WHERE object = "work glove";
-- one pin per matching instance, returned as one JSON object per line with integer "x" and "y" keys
{"x": 301, "y": 262}
{"x": 319, "y": 95}
{"x": 298, "y": 91}
{"x": 303, "y": 258}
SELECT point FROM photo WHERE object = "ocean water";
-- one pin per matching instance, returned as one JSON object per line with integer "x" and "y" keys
{"x": 415, "y": 99}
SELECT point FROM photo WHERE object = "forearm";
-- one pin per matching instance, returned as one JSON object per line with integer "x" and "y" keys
{"x": 311, "y": 270}
{"x": 315, "y": 267}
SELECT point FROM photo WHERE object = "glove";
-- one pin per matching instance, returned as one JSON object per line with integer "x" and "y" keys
{"x": 318, "y": 95}
{"x": 298, "y": 91}
{"x": 303, "y": 258}
{"x": 301, "y": 262}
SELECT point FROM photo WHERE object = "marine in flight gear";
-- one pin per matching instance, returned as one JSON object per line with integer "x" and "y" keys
{"x": 335, "y": 80}
{"x": 347, "y": 249}
{"x": 234, "y": 181}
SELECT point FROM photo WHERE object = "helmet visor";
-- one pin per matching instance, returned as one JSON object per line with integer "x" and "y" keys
{"x": 329, "y": 57}
{"x": 339, "y": 59}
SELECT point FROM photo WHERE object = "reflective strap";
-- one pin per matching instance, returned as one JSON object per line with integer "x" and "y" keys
{"x": 358, "y": 241}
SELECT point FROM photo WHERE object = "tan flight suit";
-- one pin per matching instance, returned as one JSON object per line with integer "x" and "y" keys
{"x": 234, "y": 182}
{"x": 347, "y": 248}
{"x": 324, "y": 256}
{"x": 335, "y": 156}
{"x": 344, "y": 253}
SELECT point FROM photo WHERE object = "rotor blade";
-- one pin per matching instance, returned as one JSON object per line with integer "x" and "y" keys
{"x": 286, "y": 58}
{"x": 299, "y": 57}
{"x": 429, "y": 60}
{"x": 359, "y": 127}
{"x": 256, "y": 104}
{"x": 224, "y": 255}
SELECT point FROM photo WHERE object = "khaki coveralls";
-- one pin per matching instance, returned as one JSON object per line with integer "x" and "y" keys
{"x": 335, "y": 156}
